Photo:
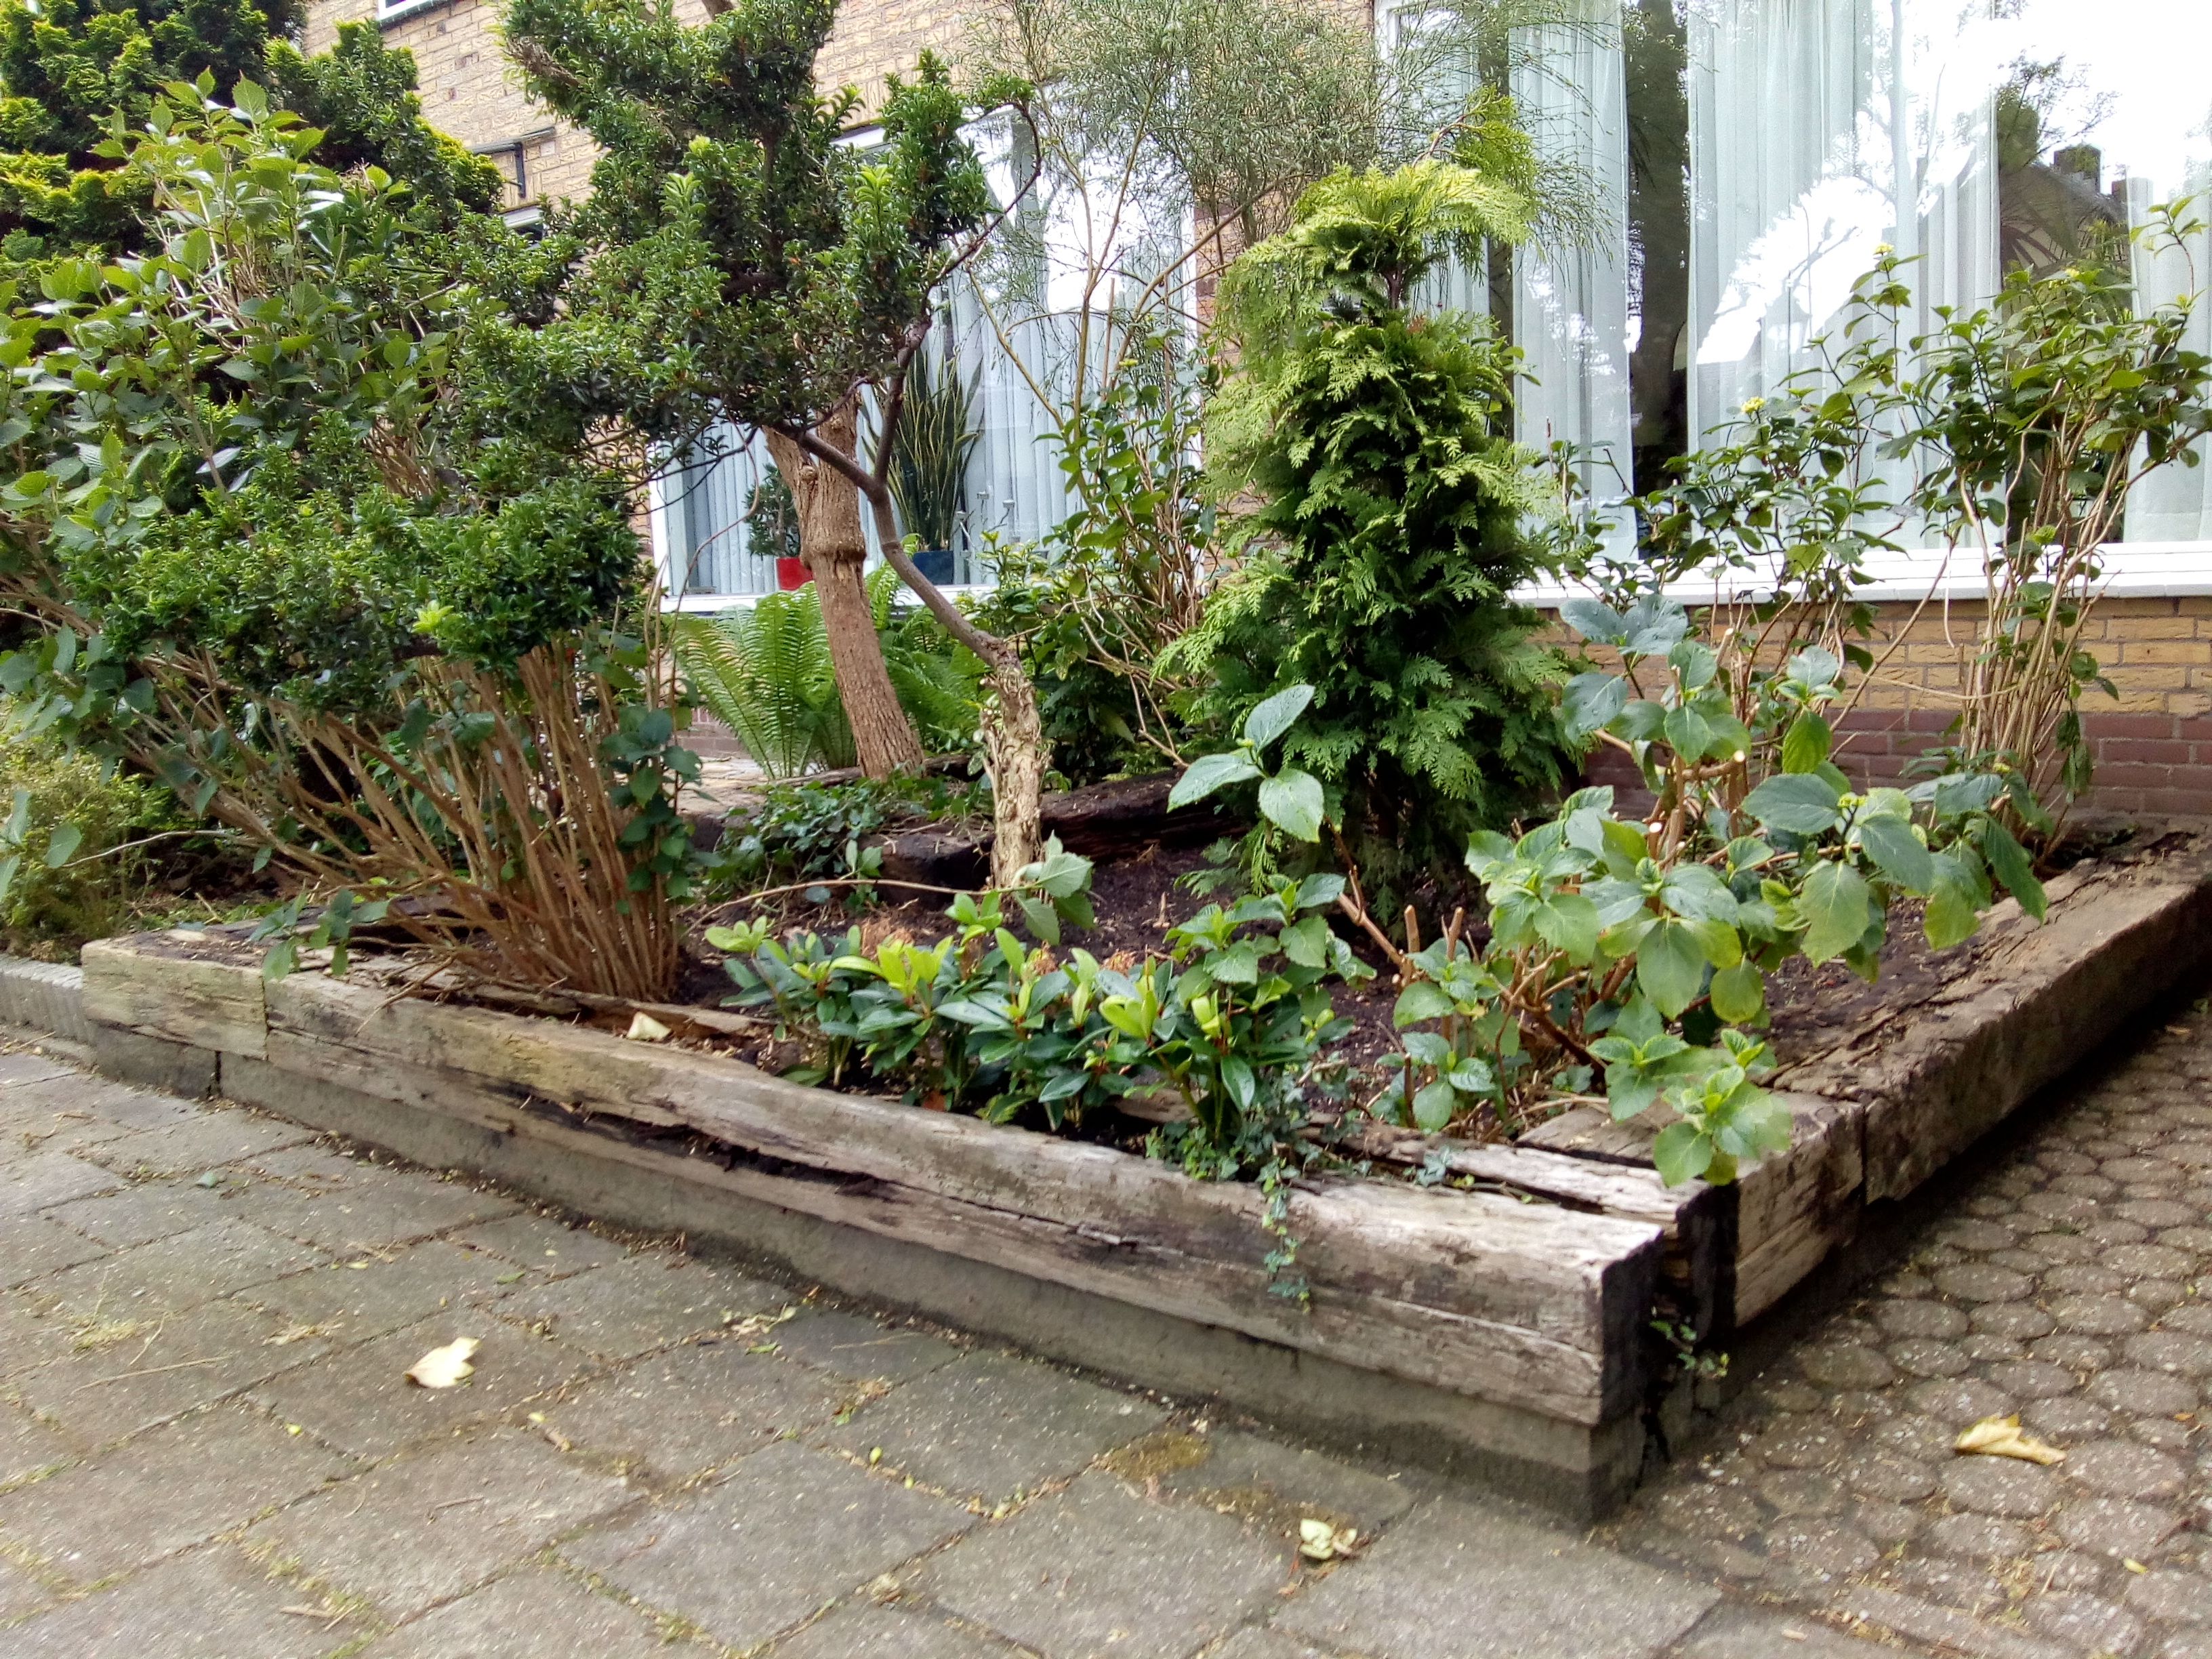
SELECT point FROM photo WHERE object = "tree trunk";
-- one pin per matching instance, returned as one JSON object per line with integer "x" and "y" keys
{"x": 836, "y": 549}
{"x": 1013, "y": 732}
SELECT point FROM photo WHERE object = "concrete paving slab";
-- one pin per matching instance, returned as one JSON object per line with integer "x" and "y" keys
{"x": 172, "y": 1275}
{"x": 21, "y": 1593}
{"x": 141, "y": 1214}
{"x": 421, "y": 1530}
{"x": 125, "y": 1384}
{"x": 361, "y": 1299}
{"x": 849, "y": 1345}
{"x": 1270, "y": 1484}
{"x": 787, "y": 1531}
{"x": 201, "y": 1143}
{"x": 649, "y": 1301}
{"x": 358, "y": 1398}
{"x": 29, "y": 1445}
{"x": 211, "y": 1604}
{"x": 990, "y": 1426}
{"x": 865, "y": 1630}
{"x": 45, "y": 1179}
{"x": 544, "y": 1244}
{"x": 1738, "y": 1632}
{"x": 30, "y": 1246}
{"x": 669, "y": 1418}
{"x": 533, "y": 1614}
{"x": 1098, "y": 1571}
{"x": 384, "y": 1210}
{"x": 162, "y": 1492}
{"x": 1452, "y": 1581}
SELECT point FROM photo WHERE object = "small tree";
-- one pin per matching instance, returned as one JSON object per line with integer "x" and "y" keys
{"x": 1386, "y": 537}
{"x": 784, "y": 276}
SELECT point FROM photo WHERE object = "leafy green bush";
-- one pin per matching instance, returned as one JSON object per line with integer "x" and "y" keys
{"x": 808, "y": 832}
{"x": 1387, "y": 538}
{"x": 65, "y": 874}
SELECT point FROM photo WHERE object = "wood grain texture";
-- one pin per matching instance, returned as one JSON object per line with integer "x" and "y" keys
{"x": 178, "y": 987}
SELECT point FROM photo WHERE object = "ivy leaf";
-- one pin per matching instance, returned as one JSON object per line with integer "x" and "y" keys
{"x": 1209, "y": 773}
{"x": 1898, "y": 853}
{"x": 1292, "y": 803}
{"x": 1670, "y": 967}
{"x": 1682, "y": 1152}
{"x": 1271, "y": 718}
{"x": 1836, "y": 902}
{"x": 1739, "y": 993}
{"x": 1801, "y": 804}
{"x": 1806, "y": 743}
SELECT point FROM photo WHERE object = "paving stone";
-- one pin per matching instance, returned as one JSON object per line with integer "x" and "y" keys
{"x": 1801, "y": 1492}
{"x": 379, "y": 1210}
{"x": 2075, "y": 1354}
{"x": 2185, "y": 1645}
{"x": 1738, "y": 1632}
{"x": 30, "y": 1246}
{"x": 71, "y": 1112}
{"x": 141, "y": 1214}
{"x": 2098, "y": 1316}
{"x": 49, "y": 1178}
{"x": 421, "y": 1530}
{"x": 675, "y": 1415}
{"x": 2020, "y": 1321}
{"x": 2181, "y": 1598}
{"x": 356, "y": 1300}
{"x": 2194, "y": 1237}
{"x": 162, "y": 1492}
{"x": 2116, "y": 1527}
{"x": 1978, "y": 1537}
{"x": 1253, "y": 1641}
{"x": 1961, "y": 1400}
{"x": 992, "y": 1426}
{"x": 1918, "y": 1356}
{"x": 2086, "y": 1623}
{"x": 532, "y": 1613}
{"x": 1909, "y": 1616}
{"x": 807, "y": 1527}
{"x": 359, "y": 1399}
{"x": 1697, "y": 1510}
{"x": 2178, "y": 1352}
{"x": 1453, "y": 1581}
{"x": 2000, "y": 1487}
{"x": 1846, "y": 1365}
{"x": 1961, "y": 1578}
{"x": 29, "y": 1445}
{"x": 21, "y": 1593}
{"x": 2122, "y": 1470}
{"x": 2141, "y": 1391}
{"x": 1884, "y": 1523}
{"x": 2032, "y": 1379}
{"x": 2166, "y": 1433}
{"x": 1914, "y": 1436}
{"x": 846, "y": 1345}
{"x": 1920, "y": 1319}
{"x": 2094, "y": 1277}
{"x": 2195, "y": 1319}
{"x": 173, "y": 1275}
{"x": 1270, "y": 1484}
{"x": 1968, "y": 1233}
{"x": 2065, "y": 1421}
{"x": 1098, "y": 1570}
{"x": 1892, "y": 1478}
{"x": 633, "y": 1307}
{"x": 1800, "y": 1443}
{"x": 211, "y": 1604}
{"x": 207, "y": 1139}
{"x": 543, "y": 1244}
{"x": 116, "y": 1389}
{"x": 1830, "y": 1549}
{"x": 865, "y": 1630}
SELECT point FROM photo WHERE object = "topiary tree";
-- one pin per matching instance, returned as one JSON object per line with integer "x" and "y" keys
{"x": 1386, "y": 538}
{"x": 784, "y": 278}
{"x": 71, "y": 70}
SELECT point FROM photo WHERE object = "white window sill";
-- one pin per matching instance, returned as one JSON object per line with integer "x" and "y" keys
{"x": 387, "y": 15}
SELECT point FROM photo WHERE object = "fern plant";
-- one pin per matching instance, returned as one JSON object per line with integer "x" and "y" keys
{"x": 764, "y": 672}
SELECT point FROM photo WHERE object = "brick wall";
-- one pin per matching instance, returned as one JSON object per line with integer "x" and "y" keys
{"x": 2152, "y": 744}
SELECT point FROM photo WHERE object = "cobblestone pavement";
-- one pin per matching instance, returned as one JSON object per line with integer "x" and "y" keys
{"x": 207, "y": 1446}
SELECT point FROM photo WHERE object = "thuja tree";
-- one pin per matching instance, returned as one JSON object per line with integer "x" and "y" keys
{"x": 71, "y": 70}
{"x": 270, "y": 530}
{"x": 1387, "y": 534}
{"x": 785, "y": 276}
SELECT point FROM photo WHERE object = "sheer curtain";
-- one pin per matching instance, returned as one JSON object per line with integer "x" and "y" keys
{"x": 1820, "y": 129}
{"x": 1570, "y": 295}
{"x": 703, "y": 508}
{"x": 2174, "y": 503}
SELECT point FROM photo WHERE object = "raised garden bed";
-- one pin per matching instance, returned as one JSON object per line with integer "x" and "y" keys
{"x": 1504, "y": 1330}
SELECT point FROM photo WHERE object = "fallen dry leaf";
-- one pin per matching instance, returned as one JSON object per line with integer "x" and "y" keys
{"x": 2001, "y": 1437}
{"x": 644, "y": 1028}
{"x": 441, "y": 1368}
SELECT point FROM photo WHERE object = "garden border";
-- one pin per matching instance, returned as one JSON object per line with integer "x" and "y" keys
{"x": 1503, "y": 1331}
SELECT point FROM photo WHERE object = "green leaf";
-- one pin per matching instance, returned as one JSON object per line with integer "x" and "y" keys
{"x": 1306, "y": 942}
{"x": 1209, "y": 773}
{"x": 1271, "y": 718}
{"x": 1687, "y": 734}
{"x": 1434, "y": 1103}
{"x": 1838, "y": 904}
{"x": 1739, "y": 993}
{"x": 1291, "y": 801}
{"x": 1043, "y": 920}
{"x": 1422, "y": 999}
{"x": 1593, "y": 701}
{"x": 1316, "y": 891}
{"x": 1670, "y": 967}
{"x": 8, "y": 866}
{"x": 1806, "y": 743}
{"x": 1682, "y": 1152}
{"x": 64, "y": 842}
{"x": 1569, "y": 922}
{"x": 1898, "y": 853}
{"x": 1593, "y": 621}
{"x": 1801, "y": 804}
{"x": 2009, "y": 861}
{"x": 1951, "y": 918}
